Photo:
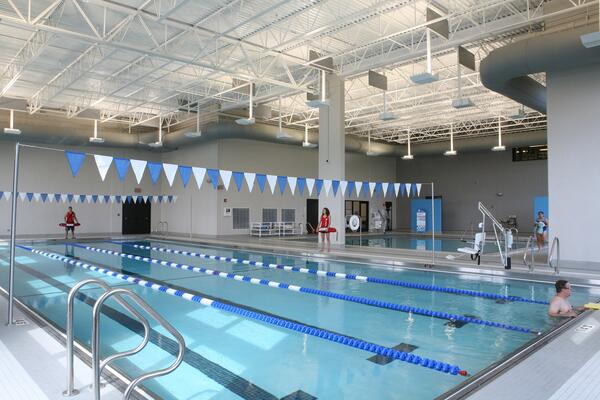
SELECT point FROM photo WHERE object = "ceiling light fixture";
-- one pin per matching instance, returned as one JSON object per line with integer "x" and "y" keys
{"x": 500, "y": 147}
{"x": 95, "y": 138}
{"x": 428, "y": 76}
{"x": 281, "y": 134}
{"x": 250, "y": 120}
{"x": 590, "y": 40}
{"x": 159, "y": 143}
{"x": 370, "y": 153}
{"x": 408, "y": 156}
{"x": 451, "y": 152}
{"x": 322, "y": 102}
{"x": 385, "y": 115}
{"x": 306, "y": 143}
{"x": 11, "y": 130}
{"x": 198, "y": 132}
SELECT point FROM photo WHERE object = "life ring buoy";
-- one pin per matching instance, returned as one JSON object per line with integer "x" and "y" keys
{"x": 65, "y": 225}
{"x": 354, "y": 223}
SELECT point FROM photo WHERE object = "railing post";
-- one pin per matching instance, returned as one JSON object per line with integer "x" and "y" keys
{"x": 13, "y": 229}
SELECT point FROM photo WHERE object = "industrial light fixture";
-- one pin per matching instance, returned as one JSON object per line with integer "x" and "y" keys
{"x": 250, "y": 120}
{"x": 281, "y": 134}
{"x": 590, "y": 40}
{"x": 451, "y": 152}
{"x": 370, "y": 153}
{"x": 460, "y": 102}
{"x": 428, "y": 76}
{"x": 499, "y": 147}
{"x": 408, "y": 156}
{"x": 197, "y": 132}
{"x": 306, "y": 143}
{"x": 386, "y": 115}
{"x": 159, "y": 143}
{"x": 322, "y": 102}
{"x": 95, "y": 138}
{"x": 11, "y": 130}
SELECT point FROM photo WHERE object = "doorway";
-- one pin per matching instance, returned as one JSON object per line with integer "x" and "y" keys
{"x": 312, "y": 215}
{"x": 360, "y": 208}
{"x": 390, "y": 217}
{"x": 136, "y": 217}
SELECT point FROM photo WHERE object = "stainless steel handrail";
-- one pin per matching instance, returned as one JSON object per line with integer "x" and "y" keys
{"x": 97, "y": 366}
{"x": 555, "y": 245}
{"x": 71, "y": 391}
{"x": 529, "y": 249}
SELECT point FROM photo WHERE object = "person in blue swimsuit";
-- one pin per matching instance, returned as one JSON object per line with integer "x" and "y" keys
{"x": 541, "y": 226}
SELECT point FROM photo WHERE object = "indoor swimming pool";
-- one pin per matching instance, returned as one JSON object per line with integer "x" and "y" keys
{"x": 265, "y": 326}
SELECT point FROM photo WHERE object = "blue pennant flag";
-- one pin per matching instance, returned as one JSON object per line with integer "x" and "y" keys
{"x": 261, "y": 179}
{"x": 75, "y": 159}
{"x": 95, "y": 198}
{"x": 350, "y": 188}
{"x": 1, "y": 194}
{"x": 150, "y": 198}
{"x": 378, "y": 189}
{"x": 154, "y": 169}
{"x": 402, "y": 189}
{"x": 318, "y": 186}
{"x": 122, "y": 165}
{"x": 214, "y": 177}
{"x": 128, "y": 199}
{"x": 238, "y": 178}
{"x": 139, "y": 199}
{"x": 70, "y": 197}
{"x": 82, "y": 198}
{"x": 160, "y": 199}
{"x": 390, "y": 191}
{"x": 118, "y": 198}
{"x": 281, "y": 181}
{"x": 44, "y": 197}
{"x": 185, "y": 172}
{"x": 413, "y": 188}
{"x": 301, "y": 184}
{"x": 170, "y": 197}
{"x": 57, "y": 197}
{"x": 335, "y": 185}
{"x": 29, "y": 196}
{"x": 106, "y": 198}
{"x": 365, "y": 188}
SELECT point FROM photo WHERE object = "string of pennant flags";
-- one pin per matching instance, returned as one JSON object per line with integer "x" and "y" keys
{"x": 279, "y": 183}
{"x": 88, "y": 198}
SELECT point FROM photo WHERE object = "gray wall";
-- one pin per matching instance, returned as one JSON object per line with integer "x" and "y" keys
{"x": 468, "y": 178}
{"x": 574, "y": 170}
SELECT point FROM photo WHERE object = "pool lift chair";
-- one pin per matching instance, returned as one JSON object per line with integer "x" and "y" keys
{"x": 475, "y": 251}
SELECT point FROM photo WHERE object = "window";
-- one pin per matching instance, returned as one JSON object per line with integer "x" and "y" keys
{"x": 288, "y": 215}
{"x": 241, "y": 218}
{"x": 269, "y": 215}
{"x": 530, "y": 153}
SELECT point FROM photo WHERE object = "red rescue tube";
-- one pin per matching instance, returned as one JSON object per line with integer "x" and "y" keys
{"x": 64, "y": 225}
{"x": 331, "y": 229}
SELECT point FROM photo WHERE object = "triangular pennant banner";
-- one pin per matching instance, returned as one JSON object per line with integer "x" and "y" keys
{"x": 185, "y": 173}
{"x": 213, "y": 174}
{"x": 199, "y": 174}
{"x": 378, "y": 189}
{"x": 88, "y": 198}
{"x": 384, "y": 188}
{"x": 7, "y": 195}
{"x": 22, "y": 195}
{"x": 159, "y": 199}
{"x": 310, "y": 184}
{"x": 351, "y": 187}
{"x": 170, "y": 172}
{"x": 225, "y": 177}
{"x": 272, "y": 179}
{"x": 358, "y": 186}
{"x": 29, "y": 196}
{"x": 250, "y": 176}
{"x": 418, "y": 189}
{"x": 95, "y": 198}
{"x": 343, "y": 186}
{"x": 335, "y": 185}
{"x": 318, "y": 186}
{"x": 407, "y": 189}
{"x": 372, "y": 187}
{"x": 282, "y": 182}
{"x": 44, "y": 197}
{"x": 138, "y": 166}
{"x": 107, "y": 198}
{"x": 122, "y": 165}
{"x": 37, "y": 197}
{"x": 154, "y": 169}
{"x": 1, "y": 194}
{"x": 238, "y": 179}
{"x": 75, "y": 160}
{"x": 82, "y": 198}
{"x": 103, "y": 164}
{"x": 170, "y": 198}
{"x": 301, "y": 182}
{"x": 261, "y": 179}
{"x": 327, "y": 185}
{"x": 118, "y": 199}
{"x": 292, "y": 180}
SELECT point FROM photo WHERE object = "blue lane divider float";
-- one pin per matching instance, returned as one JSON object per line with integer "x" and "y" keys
{"x": 340, "y": 275}
{"x": 318, "y": 292}
{"x": 321, "y": 333}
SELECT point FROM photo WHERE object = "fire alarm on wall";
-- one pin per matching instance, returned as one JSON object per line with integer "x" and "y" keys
{"x": 224, "y": 200}
{"x": 137, "y": 190}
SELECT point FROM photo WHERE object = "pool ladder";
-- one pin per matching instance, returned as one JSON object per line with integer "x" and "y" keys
{"x": 162, "y": 227}
{"x": 552, "y": 261}
{"x": 119, "y": 295}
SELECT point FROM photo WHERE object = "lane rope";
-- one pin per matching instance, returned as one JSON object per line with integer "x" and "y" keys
{"x": 318, "y": 292}
{"x": 316, "y": 332}
{"x": 340, "y": 275}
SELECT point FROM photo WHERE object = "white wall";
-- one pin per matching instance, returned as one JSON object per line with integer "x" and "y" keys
{"x": 573, "y": 168}
{"x": 48, "y": 172}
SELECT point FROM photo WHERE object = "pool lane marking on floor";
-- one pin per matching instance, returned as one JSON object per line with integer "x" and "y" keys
{"x": 339, "y": 275}
{"x": 318, "y": 292}
{"x": 247, "y": 390}
{"x": 302, "y": 328}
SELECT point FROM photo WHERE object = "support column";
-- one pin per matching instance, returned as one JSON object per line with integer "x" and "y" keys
{"x": 332, "y": 157}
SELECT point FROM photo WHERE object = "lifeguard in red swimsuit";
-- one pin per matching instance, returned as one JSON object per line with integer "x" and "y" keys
{"x": 324, "y": 228}
{"x": 70, "y": 221}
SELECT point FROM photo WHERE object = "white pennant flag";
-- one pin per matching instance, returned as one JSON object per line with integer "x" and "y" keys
{"x": 292, "y": 182}
{"x": 37, "y": 197}
{"x": 22, "y": 195}
{"x": 407, "y": 189}
{"x": 138, "y": 166}
{"x": 174, "y": 199}
{"x": 372, "y": 187}
{"x": 226, "y": 177}
{"x": 384, "y": 186}
{"x": 112, "y": 198}
{"x": 64, "y": 198}
{"x": 123, "y": 198}
{"x": 397, "y": 188}
{"x": 7, "y": 195}
{"x": 272, "y": 179}
{"x": 358, "y": 186}
{"x": 88, "y": 197}
{"x": 50, "y": 198}
{"x": 199, "y": 175}
{"x": 418, "y": 189}
{"x": 343, "y": 187}
{"x": 103, "y": 164}
{"x": 145, "y": 199}
{"x": 155, "y": 199}
{"x": 310, "y": 184}
{"x": 250, "y": 176}
{"x": 327, "y": 185}
{"x": 170, "y": 171}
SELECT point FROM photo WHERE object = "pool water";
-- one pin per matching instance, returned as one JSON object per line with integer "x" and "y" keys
{"x": 231, "y": 357}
